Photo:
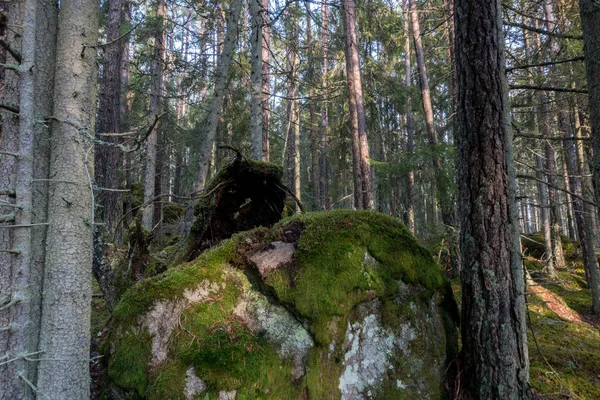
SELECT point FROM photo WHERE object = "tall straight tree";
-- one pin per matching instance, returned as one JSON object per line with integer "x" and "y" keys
{"x": 21, "y": 270}
{"x": 494, "y": 352}
{"x": 108, "y": 157}
{"x": 363, "y": 191}
{"x": 66, "y": 305}
{"x": 256, "y": 63}
{"x": 324, "y": 163}
{"x": 410, "y": 133}
{"x": 155, "y": 109}
{"x": 590, "y": 24}
{"x": 221, "y": 79}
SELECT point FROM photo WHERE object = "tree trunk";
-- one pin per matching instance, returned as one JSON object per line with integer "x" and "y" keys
{"x": 324, "y": 162}
{"x": 108, "y": 158}
{"x": 410, "y": 133}
{"x": 155, "y": 110}
{"x": 590, "y": 25}
{"x": 443, "y": 194}
{"x": 222, "y": 73}
{"x": 293, "y": 131}
{"x": 494, "y": 352}
{"x": 266, "y": 79}
{"x": 362, "y": 169}
{"x": 256, "y": 62}
{"x": 65, "y": 328}
{"x": 314, "y": 138}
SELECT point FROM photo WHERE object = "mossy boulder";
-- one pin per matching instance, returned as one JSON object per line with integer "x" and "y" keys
{"x": 343, "y": 304}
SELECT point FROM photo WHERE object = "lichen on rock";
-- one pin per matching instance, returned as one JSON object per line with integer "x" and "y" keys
{"x": 336, "y": 305}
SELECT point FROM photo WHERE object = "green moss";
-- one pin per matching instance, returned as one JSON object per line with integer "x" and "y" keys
{"x": 343, "y": 258}
{"x": 568, "y": 359}
{"x": 333, "y": 277}
{"x": 141, "y": 297}
{"x": 128, "y": 365}
{"x": 168, "y": 381}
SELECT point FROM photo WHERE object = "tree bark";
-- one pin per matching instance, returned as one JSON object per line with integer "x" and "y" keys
{"x": 444, "y": 198}
{"x": 410, "y": 133}
{"x": 108, "y": 157}
{"x": 221, "y": 80}
{"x": 65, "y": 328}
{"x": 266, "y": 80}
{"x": 494, "y": 352}
{"x": 590, "y": 25}
{"x": 324, "y": 174}
{"x": 256, "y": 113}
{"x": 148, "y": 217}
{"x": 362, "y": 169}
{"x": 314, "y": 138}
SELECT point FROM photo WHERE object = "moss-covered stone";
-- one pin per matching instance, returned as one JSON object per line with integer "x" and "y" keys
{"x": 350, "y": 306}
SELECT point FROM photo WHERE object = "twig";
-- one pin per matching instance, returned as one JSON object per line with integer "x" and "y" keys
{"x": 12, "y": 107}
{"x": 14, "y": 53}
{"x": 112, "y": 41}
{"x": 9, "y": 305}
{"x": 292, "y": 195}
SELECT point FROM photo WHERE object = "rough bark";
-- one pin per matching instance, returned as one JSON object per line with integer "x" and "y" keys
{"x": 148, "y": 218}
{"x": 494, "y": 352}
{"x": 221, "y": 79}
{"x": 443, "y": 194}
{"x": 590, "y": 25}
{"x": 266, "y": 80}
{"x": 312, "y": 106}
{"x": 256, "y": 63}
{"x": 108, "y": 157}
{"x": 410, "y": 133}
{"x": 65, "y": 328}
{"x": 324, "y": 163}
{"x": 363, "y": 190}
{"x": 293, "y": 131}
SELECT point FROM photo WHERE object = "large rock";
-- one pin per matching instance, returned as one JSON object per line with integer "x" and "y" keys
{"x": 338, "y": 305}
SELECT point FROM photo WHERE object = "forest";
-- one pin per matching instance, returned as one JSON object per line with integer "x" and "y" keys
{"x": 286, "y": 199}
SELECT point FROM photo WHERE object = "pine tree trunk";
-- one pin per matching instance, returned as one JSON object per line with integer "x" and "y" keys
{"x": 65, "y": 328}
{"x": 363, "y": 190}
{"x": 410, "y": 133}
{"x": 148, "y": 217}
{"x": 266, "y": 80}
{"x": 494, "y": 353}
{"x": 324, "y": 163}
{"x": 314, "y": 138}
{"x": 222, "y": 73}
{"x": 443, "y": 194}
{"x": 256, "y": 62}
{"x": 590, "y": 24}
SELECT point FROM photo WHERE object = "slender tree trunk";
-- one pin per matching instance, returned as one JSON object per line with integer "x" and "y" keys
{"x": 65, "y": 328}
{"x": 256, "y": 62}
{"x": 293, "y": 132}
{"x": 443, "y": 194}
{"x": 590, "y": 24}
{"x": 362, "y": 168}
{"x": 108, "y": 157}
{"x": 148, "y": 218}
{"x": 314, "y": 138}
{"x": 494, "y": 352}
{"x": 222, "y": 72}
{"x": 266, "y": 80}
{"x": 410, "y": 133}
{"x": 324, "y": 163}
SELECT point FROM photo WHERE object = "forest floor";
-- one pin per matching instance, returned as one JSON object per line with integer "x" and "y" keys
{"x": 563, "y": 336}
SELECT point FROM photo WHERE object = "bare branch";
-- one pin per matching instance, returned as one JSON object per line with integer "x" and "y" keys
{"x": 548, "y": 88}
{"x": 12, "y": 107}
{"x": 14, "y": 53}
